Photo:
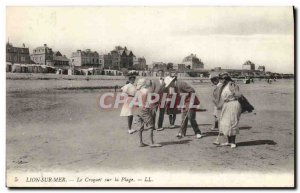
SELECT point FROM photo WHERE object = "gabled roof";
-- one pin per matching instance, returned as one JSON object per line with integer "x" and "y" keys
{"x": 60, "y": 58}
{"x": 123, "y": 51}
{"x": 57, "y": 53}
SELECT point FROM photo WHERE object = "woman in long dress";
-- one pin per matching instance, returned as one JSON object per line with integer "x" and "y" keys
{"x": 231, "y": 110}
{"x": 129, "y": 89}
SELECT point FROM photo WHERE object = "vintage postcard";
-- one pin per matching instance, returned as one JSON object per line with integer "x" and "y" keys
{"x": 150, "y": 97}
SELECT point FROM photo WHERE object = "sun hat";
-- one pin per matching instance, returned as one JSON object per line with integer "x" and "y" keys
{"x": 140, "y": 83}
{"x": 168, "y": 80}
{"x": 224, "y": 75}
{"x": 213, "y": 75}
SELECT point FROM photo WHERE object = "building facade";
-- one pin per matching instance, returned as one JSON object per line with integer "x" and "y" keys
{"x": 156, "y": 66}
{"x": 181, "y": 67}
{"x": 193, "y": 62}
{"x": 42, "y": 55}
{"x": 261, "y": 68}
{"x": 139, "y": 63}
{"x": 85, "y": 58}
{"x": 122, "y": 58}
{"x": 60, "y": 60}
{"x": 105, "y": 61}
{"x": 248, "y": 65}
{"x": 18, "y": 55}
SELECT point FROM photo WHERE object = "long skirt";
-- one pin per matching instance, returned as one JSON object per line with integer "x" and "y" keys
{"x": 127, "y": 108}
{"x": 229, "y": 118}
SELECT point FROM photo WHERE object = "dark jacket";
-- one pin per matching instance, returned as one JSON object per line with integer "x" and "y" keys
{"x": 184, "y": 87}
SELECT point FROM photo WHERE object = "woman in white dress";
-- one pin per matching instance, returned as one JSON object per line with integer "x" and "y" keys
{"x": 129, "y": 89}
{"x": 231, "y": 109}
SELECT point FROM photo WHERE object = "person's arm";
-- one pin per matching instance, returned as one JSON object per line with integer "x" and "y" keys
{"x": 234, "y": 88}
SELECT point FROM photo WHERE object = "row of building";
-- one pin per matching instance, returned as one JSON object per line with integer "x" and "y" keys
{"x": 117, "y": 59}
{"x": 41, "y": 55}
{"x": 248, "y": 65}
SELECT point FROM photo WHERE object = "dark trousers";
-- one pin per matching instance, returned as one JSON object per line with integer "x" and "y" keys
{"x": 172, "y": 118}
{"x": 189, "y": 116}
{"x": 161, "y": 117}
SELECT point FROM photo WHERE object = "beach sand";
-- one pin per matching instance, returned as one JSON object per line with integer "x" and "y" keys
{"x": 66, "y": 130}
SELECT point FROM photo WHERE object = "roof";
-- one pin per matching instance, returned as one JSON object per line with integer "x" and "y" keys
{"x": 120, "y": 50}
{"x": 57, "y": 53}
{"x": 248, "y": 63}
{"x": 85, "y": 53}
{"x": 60, "y": 58}
{"x": 191, "y": 57}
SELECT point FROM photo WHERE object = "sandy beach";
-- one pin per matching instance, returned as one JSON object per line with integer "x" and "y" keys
{"x": 50, "y": 129}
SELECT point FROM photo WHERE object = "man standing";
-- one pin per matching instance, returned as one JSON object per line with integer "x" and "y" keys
{"x": 158, "y": 87}
{"x": 187, "y": 94}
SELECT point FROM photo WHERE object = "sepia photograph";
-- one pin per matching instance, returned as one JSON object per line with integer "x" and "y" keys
{"x": 150, "y": 96}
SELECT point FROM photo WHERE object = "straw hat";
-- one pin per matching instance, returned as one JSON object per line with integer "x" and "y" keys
{"x": 224, "y": 75}
{"x": 168, "y": 80}
{"x": 213, "y": 75}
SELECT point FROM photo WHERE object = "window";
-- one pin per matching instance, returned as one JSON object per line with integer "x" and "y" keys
{"x": 23, "y": 59}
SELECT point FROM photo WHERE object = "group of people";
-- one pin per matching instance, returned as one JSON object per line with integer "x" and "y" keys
{"x": 227, "y": 108}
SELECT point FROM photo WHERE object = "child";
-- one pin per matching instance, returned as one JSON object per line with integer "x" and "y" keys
{"x": 126, "y": 111}
{"x": 144, "y": 118}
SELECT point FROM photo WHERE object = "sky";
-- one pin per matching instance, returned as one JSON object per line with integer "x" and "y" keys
{"x": 223, "y": 37}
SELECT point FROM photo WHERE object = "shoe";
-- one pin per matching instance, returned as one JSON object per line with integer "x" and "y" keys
{"x": 199, "y": 136}
{"x": 143, "y": 145}
{"x": 131, "y": 131}
{"x": 179, "y": 136}
{"x": 160, "y": 129}
{"x": 233, "y": 145}
{"x": 225, "y": 144}
{"x": 214, "y": 129}
{"x": 216, "y": 143}
{"x": 172, "y": 126}
{"x": 156, "y": 145}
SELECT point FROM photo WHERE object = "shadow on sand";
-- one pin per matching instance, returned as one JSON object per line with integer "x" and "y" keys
{"x": 211, "y": 133}
{"x": 245, "y": 128}
{"x": 186, "y": 141}
{"x": 256, "y": 142}
{"x": 204, "y": 124}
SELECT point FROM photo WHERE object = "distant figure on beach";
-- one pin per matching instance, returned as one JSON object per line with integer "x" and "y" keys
{"x": 116, "y": 86}
{"x": 214, "y": 78}
{"x": 188, "y": 114}
{"x": 126, "y": 111}
{"x": 144, "y": 117}
{"x": 231, "y": 109}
